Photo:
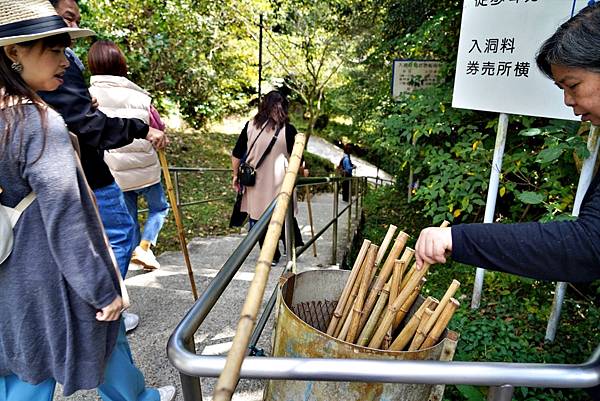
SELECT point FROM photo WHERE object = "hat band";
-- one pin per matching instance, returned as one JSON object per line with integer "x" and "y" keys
{"x": 32, "y": 26}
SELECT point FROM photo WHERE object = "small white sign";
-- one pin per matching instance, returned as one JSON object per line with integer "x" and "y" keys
{"x": 496, "y": 69}
{"x": 408, "y": 75}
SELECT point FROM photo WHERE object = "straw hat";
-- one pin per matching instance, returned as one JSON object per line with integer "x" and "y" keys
{"x": 25, "y": 20}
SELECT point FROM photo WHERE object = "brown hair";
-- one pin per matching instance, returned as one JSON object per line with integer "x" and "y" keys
{"x": 105, "y": 58}
{"x": 14, "y": 90}
{"x": 273, "y": 108}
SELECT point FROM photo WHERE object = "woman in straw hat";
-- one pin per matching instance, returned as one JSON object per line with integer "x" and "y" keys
{"x": 59, "y": 303}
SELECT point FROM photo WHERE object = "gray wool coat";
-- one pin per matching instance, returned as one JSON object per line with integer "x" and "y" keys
{"x": 60, "y": 272}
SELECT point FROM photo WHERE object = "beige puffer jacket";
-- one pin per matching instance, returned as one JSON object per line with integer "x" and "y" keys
{"x": 136, "y": 165}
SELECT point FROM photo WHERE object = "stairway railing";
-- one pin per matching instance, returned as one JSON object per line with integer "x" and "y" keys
{"x": 501, "y": 378}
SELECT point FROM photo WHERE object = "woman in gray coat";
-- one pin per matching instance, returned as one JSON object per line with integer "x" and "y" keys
{"x": 59, "y": 290}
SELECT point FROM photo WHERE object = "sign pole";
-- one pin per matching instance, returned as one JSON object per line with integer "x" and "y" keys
{"x": 490, "y": 205}
{"x": 585, "y": 178}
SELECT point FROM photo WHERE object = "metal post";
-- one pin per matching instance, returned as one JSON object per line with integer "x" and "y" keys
{"x": 260, "y": 62}
{"x": 190, "y": 385}
{"x": 349, "y": 210}
{"x": 334, "y": 236}
{"x": 289, "y": 235}
{"x": 177, "y": 200}
{"x": 492, "y": 194}
{"x": 356, "y": 189}
{"x": 500, "y": 393}
{"x": 587, "y": 172}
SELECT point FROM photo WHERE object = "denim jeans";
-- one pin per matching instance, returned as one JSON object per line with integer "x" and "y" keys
{"x": 158, "y": 208}
{"x": 118, "y": 224}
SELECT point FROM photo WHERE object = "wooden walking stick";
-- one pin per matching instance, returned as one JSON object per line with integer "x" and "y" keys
{"x": 310, "y": 221}
{"x": 366, "y": 333}
{"x": 404, "y": 261}
{"x": 408, "y": 273}
{"x": 407, "y": 305}
{"x": 438, "y": 311}
{"x": 176, "y": 213}
{"x": 420, "y": 335}
{"x": 384, "y": 275}
{"x": 339, "y": 309}
{"x": 362, "y": 293}
{"x": 397, "y": 273}
{"x": 440, "y": 325}
{"x": 231, "y": 372}
{"x": 410, "y": 329}
{"x": 390, "y": 314}
{"x": 350, "y": 302}
{"x": 385, "y": 244}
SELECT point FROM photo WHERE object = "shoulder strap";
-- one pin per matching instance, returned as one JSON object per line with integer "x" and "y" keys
{"x": 257, "y": 136}
{"x": 25, "y": 202}
{"x": 268, "y": 149}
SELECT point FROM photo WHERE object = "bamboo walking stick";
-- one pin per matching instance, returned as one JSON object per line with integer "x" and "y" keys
{"x": 407, "y": 305}
{"x": 405, "y": 260}
{"x": 344, "y": 323}
{"x": 385, "y": 244}
{"x": 384, "y": 275}
{"x": 337, "y": 314}
{"x": 366, "y": 333}
{"x": 350, "y": 302}
{"x": 231, "y": 372}
{"x": 440, "y": 324}
{"x": 344, "y": 329}
{"x": 348, "y": 315}
{"x": 410, "y": 329}
{"x": 408, "y": 273}
{"x": 397, "y": 274}
{"x": 362, "y": 293}
{"x": 438, "y": 311}
{"x": 180, "y": 231}
{"x": 310, "y": 221}
{"x": 393, "y": 309}
{"x": 420, "y": 335}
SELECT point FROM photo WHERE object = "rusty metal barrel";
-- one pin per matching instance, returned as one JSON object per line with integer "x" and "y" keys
{"x": 305, "y": 305}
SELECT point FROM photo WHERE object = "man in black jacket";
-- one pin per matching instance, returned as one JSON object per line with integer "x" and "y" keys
{"x": 96, "y": 133}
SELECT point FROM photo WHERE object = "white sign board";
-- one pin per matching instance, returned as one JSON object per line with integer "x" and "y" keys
{"x": 496, "y": 69}
{"x": 409, "y": 75}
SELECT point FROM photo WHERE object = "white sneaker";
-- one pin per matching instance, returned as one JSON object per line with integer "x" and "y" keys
{"x": 131, "y": 321}
{"x": 167, "y": 393}
{"x": 146, "y": 259}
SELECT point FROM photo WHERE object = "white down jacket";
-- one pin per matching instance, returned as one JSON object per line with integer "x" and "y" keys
{"x": 136, "y": 165}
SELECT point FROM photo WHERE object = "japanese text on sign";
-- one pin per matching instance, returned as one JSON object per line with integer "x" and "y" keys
{"x": 409, "y": 75}
{"x": 496, "y": 69}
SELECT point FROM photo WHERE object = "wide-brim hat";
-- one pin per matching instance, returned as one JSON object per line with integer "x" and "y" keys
{"x": 25, "y": 20}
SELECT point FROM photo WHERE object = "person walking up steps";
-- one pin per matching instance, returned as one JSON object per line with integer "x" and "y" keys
{"x": 135, "y": 166}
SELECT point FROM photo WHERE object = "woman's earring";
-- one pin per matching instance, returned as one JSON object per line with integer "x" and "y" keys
{"x": 17, "y": 67}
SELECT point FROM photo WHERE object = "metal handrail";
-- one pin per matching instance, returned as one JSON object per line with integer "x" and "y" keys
{"x": 181, "y": 345}
{"x": 501, "y": 377}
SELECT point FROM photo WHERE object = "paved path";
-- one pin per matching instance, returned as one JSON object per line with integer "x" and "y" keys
{"x": 161, "y": 298}
{"x": 321, "y": 147}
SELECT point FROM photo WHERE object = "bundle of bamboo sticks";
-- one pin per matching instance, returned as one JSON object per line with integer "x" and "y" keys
{"x": 376, "y": 300}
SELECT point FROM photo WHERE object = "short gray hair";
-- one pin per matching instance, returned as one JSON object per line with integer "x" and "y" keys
{"x": 576, "y": 43}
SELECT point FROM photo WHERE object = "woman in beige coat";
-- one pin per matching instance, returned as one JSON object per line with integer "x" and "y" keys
{"x": 135, "y": 166}
{"x": 271, "y": 124}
